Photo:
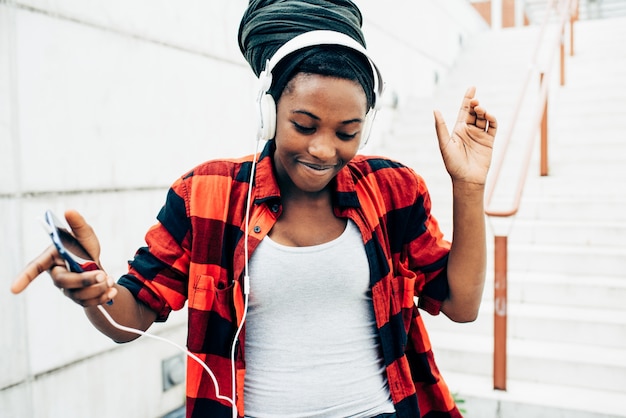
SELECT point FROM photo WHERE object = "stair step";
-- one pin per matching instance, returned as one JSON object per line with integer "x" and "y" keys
{"x": 576, "y": 365}
{"x": 596, "y": 260}
{"x": 568, "y": 232}
{"x": 599, "y": 10}
{"x": 568, "y": 290}
{"x": 527, "y": 231}
{"x": 523, "y": 399}
{"x": 545, "y": 323}
{"x": 538, "y": 205}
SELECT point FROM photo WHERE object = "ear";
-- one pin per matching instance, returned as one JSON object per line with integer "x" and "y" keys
{"x": 367, "y": 127}
{"x": 267, "y": 122}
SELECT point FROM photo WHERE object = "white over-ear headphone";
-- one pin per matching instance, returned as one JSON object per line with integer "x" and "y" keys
{"x": 267, "y": 106}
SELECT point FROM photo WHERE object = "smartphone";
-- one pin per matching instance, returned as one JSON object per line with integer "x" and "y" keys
{"x": 76, "y": 257}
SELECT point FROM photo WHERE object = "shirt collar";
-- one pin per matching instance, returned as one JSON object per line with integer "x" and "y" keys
{"x": 266, "y": 184}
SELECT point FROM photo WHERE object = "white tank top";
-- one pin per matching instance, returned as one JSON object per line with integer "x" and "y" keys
{"x": 311, "y": 345}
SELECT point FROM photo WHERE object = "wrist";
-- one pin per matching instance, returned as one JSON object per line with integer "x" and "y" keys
{"x": 468, "y": 189}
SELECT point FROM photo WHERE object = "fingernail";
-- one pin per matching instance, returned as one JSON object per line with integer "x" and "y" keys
{"x": 100, "y": 278}
{"x": 112, "y": 294}
{"x": 111, "y": 282}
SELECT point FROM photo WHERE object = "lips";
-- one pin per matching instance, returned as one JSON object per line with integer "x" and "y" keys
{"x": 318, "y": 168}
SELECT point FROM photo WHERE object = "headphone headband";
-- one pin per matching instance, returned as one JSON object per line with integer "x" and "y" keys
{"x": 313, "y": 38}
{"x": 267, "y": 106}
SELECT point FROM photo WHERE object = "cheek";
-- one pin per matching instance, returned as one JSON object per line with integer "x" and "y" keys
{"x": 285, "y": 143}
{"x": 284, "y": 134}
{"x": 286, "y": 151}
{"x": 347, "y": 150}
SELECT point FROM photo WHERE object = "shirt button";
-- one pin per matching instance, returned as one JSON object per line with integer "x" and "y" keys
{"x": 275, "y": 207}
{"x": 257, "y": 229}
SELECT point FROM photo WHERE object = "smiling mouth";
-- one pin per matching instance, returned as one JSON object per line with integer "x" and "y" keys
{"x": 318, "y": 167}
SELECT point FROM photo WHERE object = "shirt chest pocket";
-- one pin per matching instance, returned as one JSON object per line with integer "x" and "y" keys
{"x": 211, "y": 317}
{"x": 404, "y": 284}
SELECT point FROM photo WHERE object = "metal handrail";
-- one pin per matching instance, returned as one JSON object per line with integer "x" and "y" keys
{"x": 566, "y": 9}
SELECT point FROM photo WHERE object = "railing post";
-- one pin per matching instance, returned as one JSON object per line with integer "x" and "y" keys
{"x": 572, "y": 19}
{"x": 500, "y": 313}
{"x": 543, "y": 163}
{"x": 563, "y": 56}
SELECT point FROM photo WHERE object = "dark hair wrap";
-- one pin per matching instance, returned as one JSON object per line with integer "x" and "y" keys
{"x": 268, "y": 24}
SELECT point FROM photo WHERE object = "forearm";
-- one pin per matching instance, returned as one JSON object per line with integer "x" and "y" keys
{"x": 126, "y": 311}
{"x": 468, "y": 254}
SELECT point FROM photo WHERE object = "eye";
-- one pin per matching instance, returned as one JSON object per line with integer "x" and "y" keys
{"x": 346, "y": 137}
{"x": 303, "y": 129}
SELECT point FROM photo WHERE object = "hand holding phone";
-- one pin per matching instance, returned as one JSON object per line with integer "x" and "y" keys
{"x": 76, "y": 257}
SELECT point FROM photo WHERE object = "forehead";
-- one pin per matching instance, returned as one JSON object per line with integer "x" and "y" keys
{"x": 309, "y": 87}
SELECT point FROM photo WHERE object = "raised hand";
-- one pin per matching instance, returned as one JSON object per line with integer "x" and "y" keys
{"x": 467, "y": 151}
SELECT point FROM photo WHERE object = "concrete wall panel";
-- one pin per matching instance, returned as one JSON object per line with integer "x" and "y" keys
{"x": 125, "y": 113}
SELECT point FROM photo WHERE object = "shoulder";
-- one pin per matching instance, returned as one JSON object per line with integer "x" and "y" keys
{"x": 225, "y": 167}
{"x": 217, "y": 179}
{"x": 386, "y": 174}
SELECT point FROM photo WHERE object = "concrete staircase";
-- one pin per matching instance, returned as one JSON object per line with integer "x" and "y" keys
{"x": 567, "y": 245}
{"x": 588, "y": 9}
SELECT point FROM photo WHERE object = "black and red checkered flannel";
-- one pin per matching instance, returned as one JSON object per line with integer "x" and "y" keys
{"x": 195, "y": 254}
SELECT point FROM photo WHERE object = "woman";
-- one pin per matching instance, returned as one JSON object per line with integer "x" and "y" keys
{"x": 338, "y": 246}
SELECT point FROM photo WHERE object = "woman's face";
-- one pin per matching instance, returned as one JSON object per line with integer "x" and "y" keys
{"x": 319, "y": 121}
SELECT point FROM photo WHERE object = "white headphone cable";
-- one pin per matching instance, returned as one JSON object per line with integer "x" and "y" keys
{"x": 246, "y": 292}
{"x": 181, "y": 348}
{"x": 246, "y": 277}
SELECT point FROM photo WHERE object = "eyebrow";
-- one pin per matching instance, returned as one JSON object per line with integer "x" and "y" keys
{"x": 313, "y": 116}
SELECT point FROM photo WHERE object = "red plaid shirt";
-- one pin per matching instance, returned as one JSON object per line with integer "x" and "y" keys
{"x": 195, "y": 254}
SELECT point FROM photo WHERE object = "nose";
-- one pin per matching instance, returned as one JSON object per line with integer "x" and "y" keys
{"x": 322, "y": 146}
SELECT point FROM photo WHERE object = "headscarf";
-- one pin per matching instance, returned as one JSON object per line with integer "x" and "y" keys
{"x": 268, "y": 24}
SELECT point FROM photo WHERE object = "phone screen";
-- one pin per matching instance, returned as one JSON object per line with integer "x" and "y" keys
{"x": 67, "y": 245}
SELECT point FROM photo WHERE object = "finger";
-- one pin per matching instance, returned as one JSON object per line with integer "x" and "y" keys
{"x": 84, "y": 294}
{"x": 485, "y": 120}
{"x": 84, "y": 233}
{"x": 92, "y": 296}
{"x": 80, "y": 227}
{"x": 480, "y": 112}
{"x": 492, "y": 127}
{"x": 467, "y": 105}
{"x": 65, "y": 279}
{"x": 480, "y": 122}
{"x": 42, "y": 263}
{"x": 441, "y": 129}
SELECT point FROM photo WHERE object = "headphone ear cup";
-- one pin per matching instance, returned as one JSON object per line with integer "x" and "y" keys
{"x": 367, "y": 127}
{"x": 267, "y": 124}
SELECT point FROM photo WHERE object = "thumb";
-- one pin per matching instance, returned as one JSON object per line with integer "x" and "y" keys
{"x": 441, "y": 129}
{"x": 84, "y": 233}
